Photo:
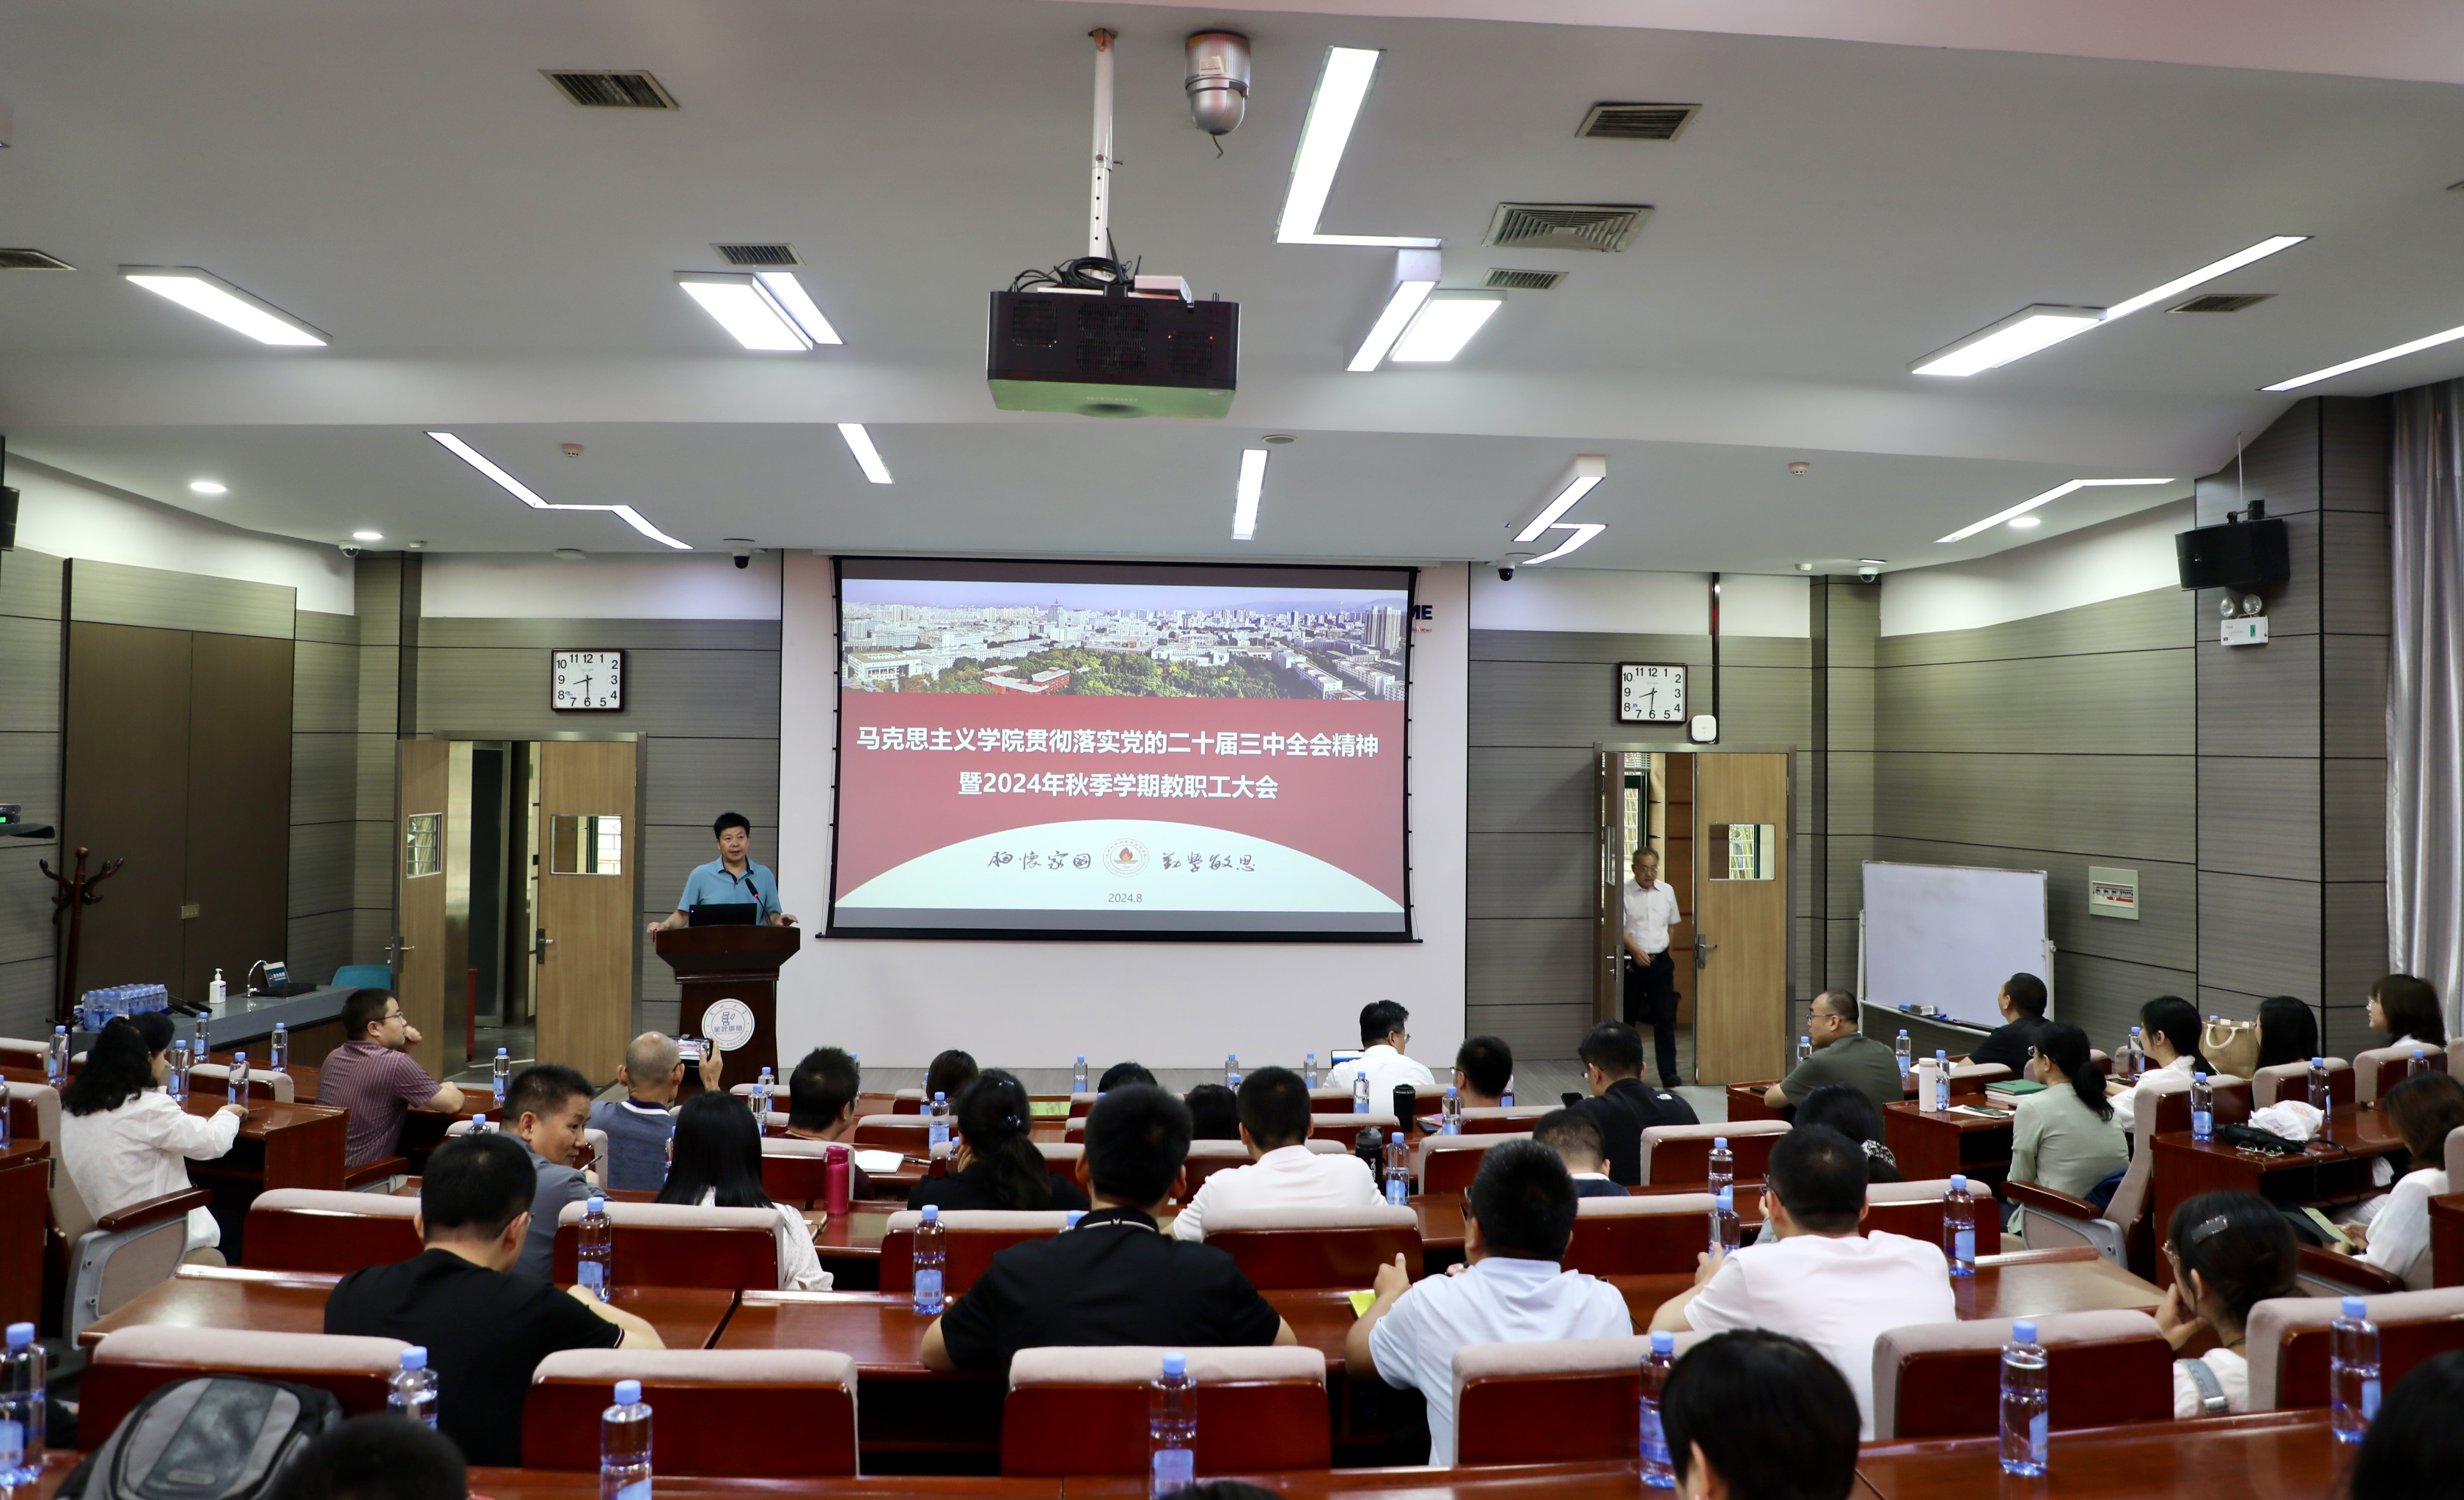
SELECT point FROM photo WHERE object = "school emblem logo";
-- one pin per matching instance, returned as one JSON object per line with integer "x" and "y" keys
{"x": 1125, "y": 858}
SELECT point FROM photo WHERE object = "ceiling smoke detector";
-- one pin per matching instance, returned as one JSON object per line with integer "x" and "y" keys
{"x": 1637, "y": 121}
{"x": 758, "y": 255}
{"x": 1605, "y": 227}
{"x": 610, "y": 89}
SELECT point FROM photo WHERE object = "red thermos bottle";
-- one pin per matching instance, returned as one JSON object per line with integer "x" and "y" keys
{"x": 838, "y": 1171}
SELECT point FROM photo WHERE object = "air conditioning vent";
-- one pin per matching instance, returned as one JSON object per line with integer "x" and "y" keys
{"x": 32, "y": 260}
{"x": 2222, "y": 302}
{"x": 1523, "y": 280}
{"x": 611, "y": 90}
{"x": 1607, "y": 227}
{"x": 758, "y": 255}
{"x": 1637, "y": 121}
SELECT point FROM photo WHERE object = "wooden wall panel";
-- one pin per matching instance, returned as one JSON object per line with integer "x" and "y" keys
{"x": 2076, "y": 705}
{"x": 126, "y": 795}
{"x": 239, "y": 838}
{"x": 114, "y": 593}
{"x": 2126, "y": 807}
{"x": 1533, "y": 790}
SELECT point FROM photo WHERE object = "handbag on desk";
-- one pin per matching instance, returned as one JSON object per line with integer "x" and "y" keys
{"x": 2231, "y": 1046}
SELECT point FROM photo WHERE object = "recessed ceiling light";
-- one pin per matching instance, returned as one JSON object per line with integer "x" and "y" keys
{"x": 2204, "y": 274}
{"x": 2026, "y": 522}
{"x": 2042, "y": 327}
{"x": 1583, "y": 533}
{"x": 530, "y": 497}
{"x": 1342, "y": 86}
{"x": 1872, "y": 561}
{"x": 2367, "y": 359}
{"x": 367, "y": 536}
{"x": 1416, "y": 277}
{"x": 866, "y": 457}
{"x": 1580, "y": 479}
{"x": 2033, "y": 501}
{"x": 1246, "y": 494}
{"x": 799, "y": 303}
{"x": 209, "y": 487}
{"x": 1444, "y": 324}
{"x": 209, "y": 295}
{"x": 746, "y": 308}
{"x": 1805, "y": 567}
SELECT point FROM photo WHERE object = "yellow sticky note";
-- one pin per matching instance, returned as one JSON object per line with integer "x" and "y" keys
{"x": 1360, "y": 1301}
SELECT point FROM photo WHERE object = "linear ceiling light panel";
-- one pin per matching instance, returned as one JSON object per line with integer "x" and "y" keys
{"x": 530, "y": 497}
{"x": 1583, "y": 532}
{"x": 1251, "y": 490}
{"x": 2031, "y": 504}
{"x": 2015, "y": 338}
{"x": 790, "y": 294}
{"x": 866, "y": 457}
{"x": 2203, "y": 275}
{"x": 1586, "y": 472}
{"x": 747, "y": 309}
{"x": 209, "y": 295}
{"x": 1416, "y": 277}
{"x": 2367, "y": 359}
{"x": 1444, "y": 324}
{"x": 1342, "y": 86}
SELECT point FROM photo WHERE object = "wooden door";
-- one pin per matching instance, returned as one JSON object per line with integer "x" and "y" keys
{"x": 1741, "y": 915}
{"x": 125, "y": 796}
{"x": 419, "y": 895}
{"x": 587, "y": 874}
{"x": 237, "y": 903}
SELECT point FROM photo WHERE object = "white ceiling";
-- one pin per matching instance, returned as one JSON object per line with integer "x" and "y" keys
{"x": 488, "y": 259}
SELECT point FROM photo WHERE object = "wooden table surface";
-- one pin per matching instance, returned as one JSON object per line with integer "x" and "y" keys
{"x": 1936, "y": 1144}
{"x": 294, "y": 1302}
{"x": 24, "y": 1204}
{"x": 2335, "y": 1172}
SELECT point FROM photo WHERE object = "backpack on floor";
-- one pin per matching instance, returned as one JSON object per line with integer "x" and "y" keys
{"x": 209, "y": 1437}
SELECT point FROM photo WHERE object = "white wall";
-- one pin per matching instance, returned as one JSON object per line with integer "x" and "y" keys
{"x": 504, "y": 586}
{"x": 69, "y": 515}
{"x": 2127, "y": 555}
{"x": 1615, "y": 602}
{"x": 1177, "y": 1005}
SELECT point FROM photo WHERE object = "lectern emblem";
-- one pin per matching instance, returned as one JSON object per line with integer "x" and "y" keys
{"x": 728, "y": 1023}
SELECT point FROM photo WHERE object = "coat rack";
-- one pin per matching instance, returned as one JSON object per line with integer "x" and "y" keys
{"x": 77, "y": 893}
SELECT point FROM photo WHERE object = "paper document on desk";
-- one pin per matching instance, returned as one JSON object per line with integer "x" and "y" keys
{"x": 882, "y": 1161}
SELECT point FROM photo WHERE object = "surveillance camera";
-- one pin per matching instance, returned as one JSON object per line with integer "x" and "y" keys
{"x": 352, "y": 549}
{"x": 1867, "y": 573}
{"x": 744, "y": 557}
{"x": 1505, "y": 572}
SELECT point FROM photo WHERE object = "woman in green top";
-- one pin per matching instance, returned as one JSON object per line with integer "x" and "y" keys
{"x": 2069, "y": 1136}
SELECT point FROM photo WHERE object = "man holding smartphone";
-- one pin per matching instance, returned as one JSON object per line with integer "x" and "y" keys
{"x": 638, "y": 1125}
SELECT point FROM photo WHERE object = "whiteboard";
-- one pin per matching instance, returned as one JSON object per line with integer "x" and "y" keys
{"x": 1946, "y": 935}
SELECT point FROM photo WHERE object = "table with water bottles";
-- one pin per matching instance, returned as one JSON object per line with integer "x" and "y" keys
{"x": 2334, "y": 1169}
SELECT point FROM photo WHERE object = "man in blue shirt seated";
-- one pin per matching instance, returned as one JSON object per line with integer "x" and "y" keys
{"x": 732, "y": 879}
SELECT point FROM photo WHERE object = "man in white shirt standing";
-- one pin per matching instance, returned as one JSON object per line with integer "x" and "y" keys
{"x": 1811, "y": 1274}
{"x": 1516, "y": 1222}
{"x": 1650, "y": 973}
{"x": 1382, "y": 1038}
{"x": 1283, "y": 1173}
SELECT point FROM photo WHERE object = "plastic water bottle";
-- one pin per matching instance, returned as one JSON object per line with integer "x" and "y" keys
{"x": 1308, "y": 1070}
{"x": 503, "y": 1070}
{"x": 479, "y": 1125}
{"x": 2321, "y": 1098}
{"x": 239, "y": 1078}
{"x": 176, "y": 1082}
{"x": 2353, "y": 1371}
{"x": 1399, "y": 1172}
{"x": 2203, "y": 1108}
{"x": 1506, "y": 1100}
{"x": 1804, "y": 1047}
{"x": 1906, "y": 1052}
{"x": 4, "y": 1113}
{"x": 938, "y": 1132}
{"x": 2024, "y": 1402}
{"x": 2134, "y": 1055}
{"x": 1231, "y": 1070}
{"x": 1078, "y": 1075}
{"x": 931, "y": 1254}
{"x": 22, "y": 1378}
{"x": 1172, "y": 1428}
{"x": 1360, "y": 1093}
{"x": 1723, "y": 1169}
{"x": 414, "y": 1388}
{"x": 595, "y": 1260}
{"x": 1657, "y": 1472}
{"x": 1940, "y": 1080}
{"x": 1959, "y": 1227}
{"x": 2419, "y": 1065}
{"x": 1451, "y": 1114}
{"x": 1725, "y": 1232}
{"x": 763, "y": 1089}
{"x": 625, "y": 1446}
{"x": 56, "y": 1057}
{"x": 205, "y": 1048}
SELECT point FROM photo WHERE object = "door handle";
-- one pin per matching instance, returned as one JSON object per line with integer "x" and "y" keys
{"x": 542, "y": 942}
{"x": 1702, "y": 951}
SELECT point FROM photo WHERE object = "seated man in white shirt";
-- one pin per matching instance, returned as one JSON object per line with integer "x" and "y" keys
{"x": 1283, "y": 1173}
{"x": 1811, "y": 1274}
{"x": 1381, "y": 1061}
{"x": 1516, "y": 1220}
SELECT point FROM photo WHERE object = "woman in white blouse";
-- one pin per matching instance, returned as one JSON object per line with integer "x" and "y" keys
{"x": 2168, "y": 1026}
{"x": 125, "y": 1140}
{"x": 2422, "y": 1110}
{"x": 2229, "y": 1252}
{"x": 717, "y": 1164}
{"x": 2404, "y": 1010}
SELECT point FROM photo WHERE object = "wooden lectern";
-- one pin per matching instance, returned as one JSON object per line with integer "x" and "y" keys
{"x": 738, "y": 963}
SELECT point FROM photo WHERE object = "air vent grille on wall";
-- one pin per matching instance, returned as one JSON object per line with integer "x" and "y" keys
{"x": 611, "y": 90}
{"x": 1637, "y": 121}
{"x": 758, "y": 255}
{"x": 1608, "y": 226}
{"x": 32, "y": 260}
{"x": 2223, "y": 301}
{"x": 1523, "y": 280}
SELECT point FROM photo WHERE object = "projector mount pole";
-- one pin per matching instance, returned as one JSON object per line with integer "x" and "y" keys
{"x": 1099, "y": 209}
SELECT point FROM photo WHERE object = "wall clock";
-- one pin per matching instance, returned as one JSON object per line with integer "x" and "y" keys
{"x": 1651, "y": 692}
{"x": 586, "y": 682}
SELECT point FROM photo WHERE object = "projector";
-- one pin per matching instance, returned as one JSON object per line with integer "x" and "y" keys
{"x": 1146, "y": 350}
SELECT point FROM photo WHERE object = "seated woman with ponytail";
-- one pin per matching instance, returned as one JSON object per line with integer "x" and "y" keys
{"x": 2069, "y": 1137}
{"x": 2229, "y": 1252}
{"x": 2168, "y": 1028}
{"x": 125, "y": 1140}
{"x": 995, "y": 1164}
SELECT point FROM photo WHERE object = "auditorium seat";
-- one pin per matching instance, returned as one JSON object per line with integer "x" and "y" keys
{"x": 1943, "y": 1380}
{"x": 792, "y": 1170}
{"x": 2292, "y": 1081}
{"x": 1206, "y": 1157}
{"x": 668, "y": 1245}
{"x": 1973, "y": 1077}
{"x": 2382, "y": 1068}
{"x": 1565, "y": 1401}
{"x": 971, "y": 1238}
{"x": 1656, "y": 1234}
{"x": 911, "y": 1101}
{"x": 910, "y": 1134}
{"x": 299, "y": 1228}
{"x": 1061, "y": 1158}
{"x": 588, "y": 1153}
{"x": 1084, "y": 1410}
{"x": 1448, "y": 1164}
{"x": 1910, "y": 1208}
{"x": 1283, "y": 1247}
{"x": 2325, "y": 1273}
{"x": 2288, "y": 1341}
{"x": 1681, "y": 1154}
{"x": 111, "y": 1259}
{"x": 1517, "y": 1120}
{"x": 17, "y": 1052}
{"x": 213, "y": 1080}
{"x": 1330, "y": 1101}
{"x": 799, "y": 1401}
{"x": 1344, "y": 1129}
{"x": 129, "y": 1364}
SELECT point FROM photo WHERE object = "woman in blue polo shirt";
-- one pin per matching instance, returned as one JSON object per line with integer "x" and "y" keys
{"x": 732, "y": 879}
